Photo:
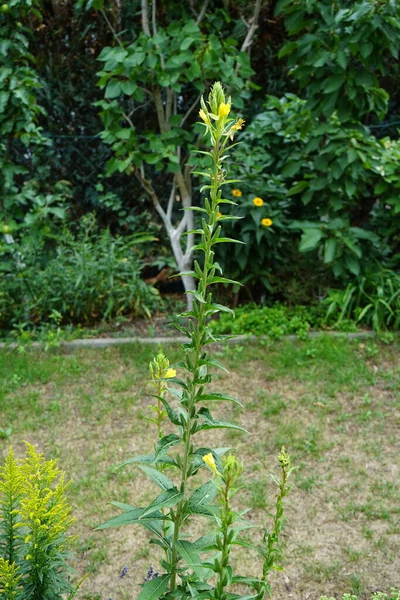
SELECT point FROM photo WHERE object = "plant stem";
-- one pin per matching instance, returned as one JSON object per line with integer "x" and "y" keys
{"x": 197, "y": 348}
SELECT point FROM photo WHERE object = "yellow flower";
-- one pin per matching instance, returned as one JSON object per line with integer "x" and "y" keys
{"x": 236, "y": 193}
{"x": 203, "y": 115}
{"x": 238, "y": 125}
{"x": 209, "y": 460}
{"x": 219, "y": 215}
{"x": 170, "y": 373}
{"x": 258, "y": 201}
{"x": 224, "y": 109}
{"x": 266, "y": 222}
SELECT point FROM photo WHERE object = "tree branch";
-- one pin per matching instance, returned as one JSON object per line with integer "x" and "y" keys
{"x": 190, "y": 109}
{"x": 154, "y": 17}
{"x": 171, "y": 201}
{"x": 160, "y": 110}
{"x": 169, "y": 106}
{"x": 145, "y": 18}
{"x": 147, "y": 186}
{"x": 111, "y": 28}
{"x": 252, "y": 26}
{"x": 202, "y": 12}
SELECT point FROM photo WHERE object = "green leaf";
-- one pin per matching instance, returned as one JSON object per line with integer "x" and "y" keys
{"x": 113, "y": 89}
{"x": 131, "y": 517}
{"x": 128, "y": 87}
{"x": 353, "y": 264}
{"x": 210, "y": 423}
{"x": 350, "y": 187}
{"x": 165, "y": 500}
{"x": 186, "y": 43}
{"x": 204, "y": 495}
{"x": 223, "y": 280}
{"x": 330, "y": 250}
{"x": 227, "y": 240}
{"x": 191, "y": 557}
{"x": 157, "y": 477}
{"x": 298, "y": 187}
{"x": 149, "y": 459}
{"x": 218, "y": 397}
{"x": 310, "y": 240}
{"x": 154, "y": 588}
{"x": 166, "y": 442}
{"x": 333, "y": 83}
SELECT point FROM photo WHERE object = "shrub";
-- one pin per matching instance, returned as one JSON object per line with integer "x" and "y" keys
{"x": 334, "y": 182}
{"x": 34, "y": 522}
{"x": 86, "y": 277}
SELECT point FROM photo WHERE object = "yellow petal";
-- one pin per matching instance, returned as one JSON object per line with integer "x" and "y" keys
{"x": 170, "y": 373}
{"x": 224, "y": 110}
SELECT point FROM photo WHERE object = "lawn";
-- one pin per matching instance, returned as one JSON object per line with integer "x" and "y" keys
{"x": 334, "y": 403}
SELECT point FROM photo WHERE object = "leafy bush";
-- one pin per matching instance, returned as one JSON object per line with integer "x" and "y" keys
{"x": 335, "y": 183}
{"x": 34, "y": 521}
{"x": 86, "y": 277}
{"x": 342, "y": 74}
{"x": 372, "y": 300}
{"x": 274, "y": 321}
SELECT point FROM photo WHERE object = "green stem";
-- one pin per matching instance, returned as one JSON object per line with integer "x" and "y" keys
{"x": 196, "y": 337}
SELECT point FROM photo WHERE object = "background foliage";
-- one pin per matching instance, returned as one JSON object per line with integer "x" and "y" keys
{"x": 318, "y": 88}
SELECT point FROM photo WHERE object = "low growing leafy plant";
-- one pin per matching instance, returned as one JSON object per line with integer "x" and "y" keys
{"x": 372, "y": 300}
{"x": 89, "y": 275}
{"x": 184, "y": 572}
{"x": 34, "y": 522}
{"x": 394, "y": 595}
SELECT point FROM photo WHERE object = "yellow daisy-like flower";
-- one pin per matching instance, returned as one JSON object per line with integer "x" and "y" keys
{"x": 236, "y": 193}
{"x": 258, "y": 201}
{"x": 203, "y": 115}
{"x": 224, "y": 109}
{"x": 170, "y": 373}
{"x": 209, "y": 460}
{"x": 266, "y": 222}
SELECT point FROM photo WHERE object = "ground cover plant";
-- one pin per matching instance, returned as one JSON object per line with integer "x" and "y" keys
{"x": 334, "y": 402}
{"x": 73, "y": 277}
{"x": 279, "y": 320}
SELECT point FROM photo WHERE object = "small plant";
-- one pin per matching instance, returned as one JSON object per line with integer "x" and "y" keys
{"x": 373, "y": 300}
{"x": 183, "y": 571}
{"x": 34, "y": 522}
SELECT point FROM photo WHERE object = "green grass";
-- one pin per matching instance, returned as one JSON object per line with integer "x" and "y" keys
{"x": 334, "y": 403}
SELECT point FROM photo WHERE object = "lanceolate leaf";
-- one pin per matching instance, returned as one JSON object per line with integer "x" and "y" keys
{"x": 166, "y": 442}
{"x": 153, "y": 589}
{"x": 149, "y": 459}
{"x": 157, "y": 477}
{"x": 191, "y": 557}
{"x": 165, "y": 500}
{"x": 210, "y": 423}
{"x": 217, "y": 397}
{"x": 130, "y": 517}
{"x": 203, "y": 495}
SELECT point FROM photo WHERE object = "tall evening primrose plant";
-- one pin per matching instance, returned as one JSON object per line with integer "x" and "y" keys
{"x": 184, "y": 572}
